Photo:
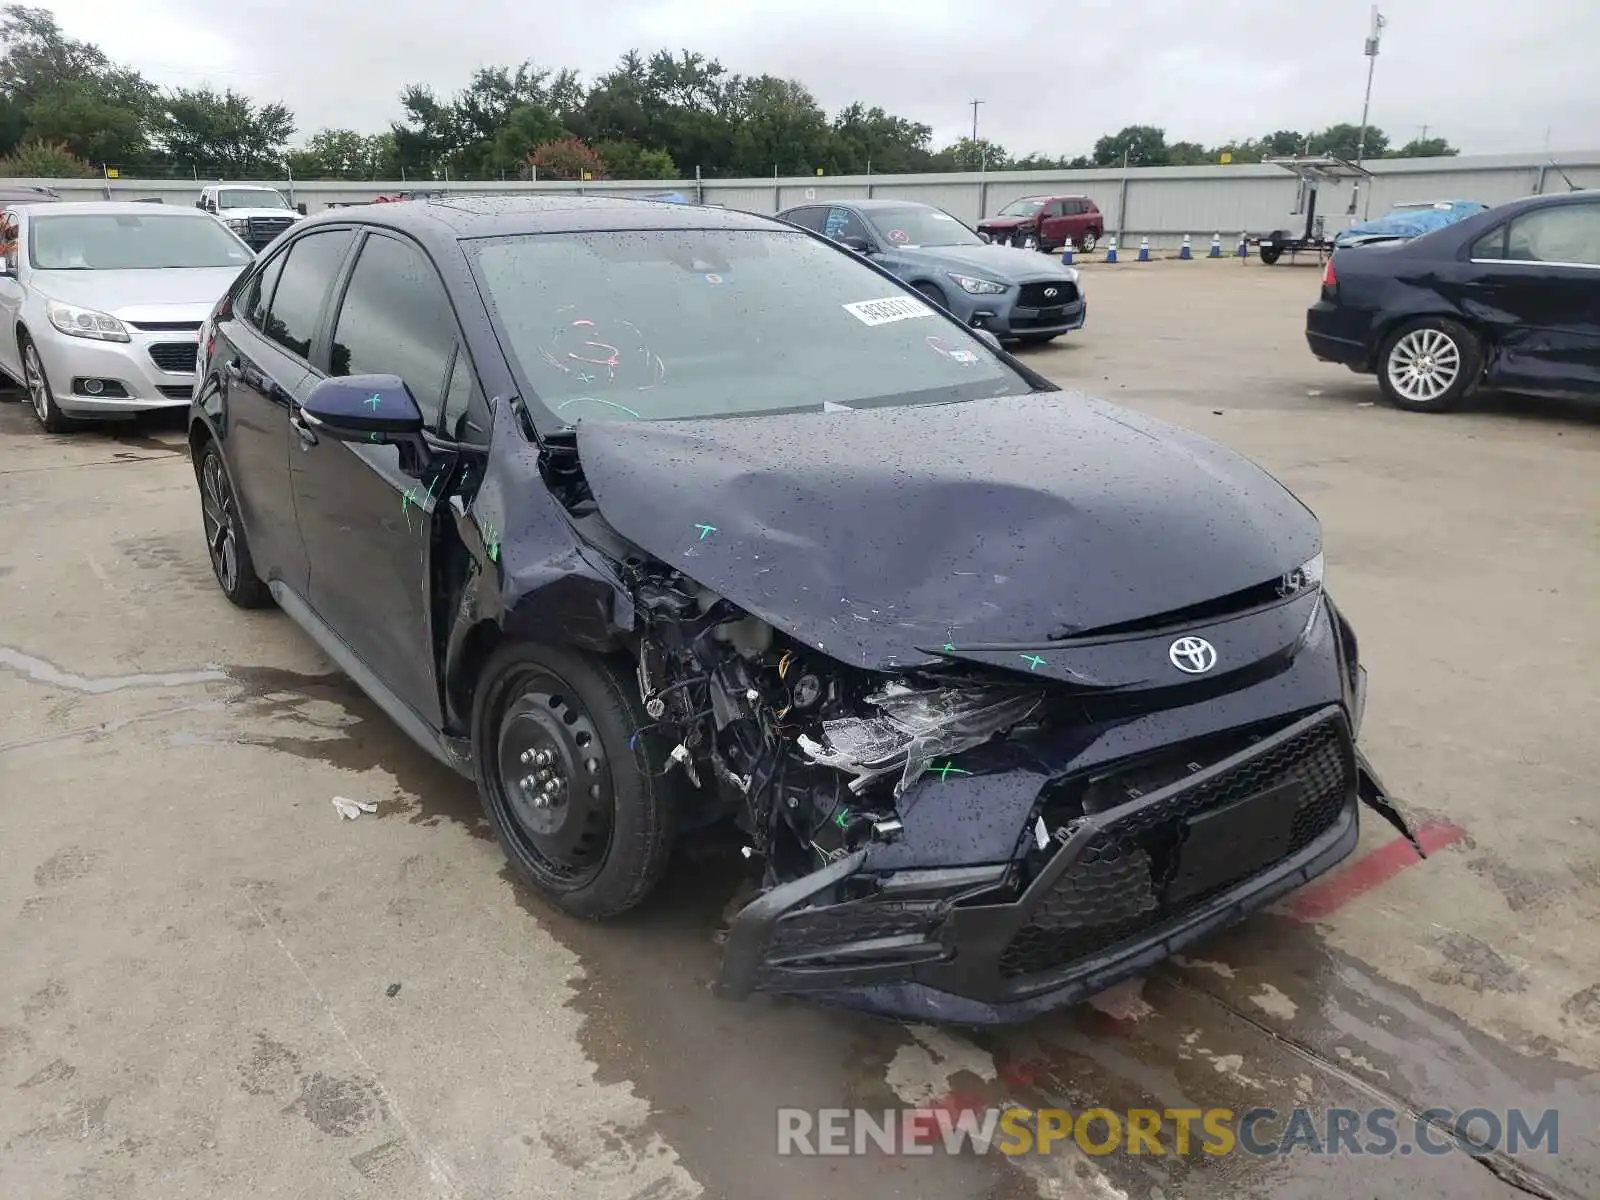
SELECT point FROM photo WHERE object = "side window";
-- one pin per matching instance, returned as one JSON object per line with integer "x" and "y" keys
{"x": 1055, "y": 208}
{"x": 466, "y": 416}
{"x": 8, "y": 237}
{"x": 843, "y": 223}
{"x": 1565, "y": 233}
{"x": 311, "y": 265}
{"x": 808, "y": 218}
{"x": 1490, "y": 245}
{"x": 252, "y": 306}
{"x": 1074, "y": 208}
{"x": 396, "y": 320}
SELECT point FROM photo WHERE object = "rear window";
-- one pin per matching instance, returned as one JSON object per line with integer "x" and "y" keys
{"x": 658, "y": 324}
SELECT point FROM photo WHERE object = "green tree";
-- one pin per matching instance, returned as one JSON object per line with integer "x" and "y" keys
{"x": 1344, "y": 140}
{"x": 967, "y": 155}
{"x": 1425, "y": 148}
{"x": 1284, "y": 143}
{"x": 1189, "y": 154}
{"x": 225, "y": 133}
{"x": 782, "y": 127}
{"x": 44, "y": 160}
{"x": 1144, "y": 145}
{"x": 629, "y": 160}
{"x": 58, "y": 89}
{"x": 869, "y": 137}
{"x": 345, "y": 154}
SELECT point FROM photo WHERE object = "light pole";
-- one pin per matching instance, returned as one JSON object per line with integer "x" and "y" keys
{"x": 981, "y": 154}
{"x": 1371, "y": 52}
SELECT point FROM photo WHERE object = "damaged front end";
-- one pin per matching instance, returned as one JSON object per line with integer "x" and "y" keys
{"x": 982, "y": 828}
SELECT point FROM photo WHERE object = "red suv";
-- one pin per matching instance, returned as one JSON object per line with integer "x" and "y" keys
{"x": 1046, "y": 223}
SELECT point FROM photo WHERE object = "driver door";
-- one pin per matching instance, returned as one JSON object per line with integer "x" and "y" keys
{"x": 369, "y": 528}
{"x": 10, "y": 293}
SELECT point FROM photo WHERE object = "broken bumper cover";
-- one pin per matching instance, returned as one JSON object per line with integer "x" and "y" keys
{"x": 1124, "y": 888}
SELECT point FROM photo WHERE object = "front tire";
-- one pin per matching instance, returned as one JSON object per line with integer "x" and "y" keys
{"x": 1037, "y": 339}
{"x": 1429, "y": 365}
{"x": 41, "y": 395}
{"x": 226, "y": 547}
{"x": 572, "y": 778}
{"x": 931, "y": 293}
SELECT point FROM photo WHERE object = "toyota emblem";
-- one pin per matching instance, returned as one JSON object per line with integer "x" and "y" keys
{"x": 1192, "y": 655}
{"x": 1050, "y": 291}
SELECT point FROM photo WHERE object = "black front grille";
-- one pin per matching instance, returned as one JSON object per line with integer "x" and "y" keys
{"x": 180, "y": 391}
{"x": 178, "y": 357}
{"x": 1034, "y": 295}
{"x": 261, "y": 230}
{"x": 166, "y": 326}
{"x": 1131, "y": 873}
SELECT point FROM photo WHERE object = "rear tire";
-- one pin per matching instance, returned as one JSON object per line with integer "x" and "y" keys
{"x": 597, "y": 842}
{"x": 226, "y": 546}
{"x": 1088, "y": 242}
{"x": 1429, "y": 364}
{"x": 40, "y": 393}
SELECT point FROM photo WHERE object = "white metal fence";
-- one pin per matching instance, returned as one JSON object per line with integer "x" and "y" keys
{"x": 1161, "y": 203}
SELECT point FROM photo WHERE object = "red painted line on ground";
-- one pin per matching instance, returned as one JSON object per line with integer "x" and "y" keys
{"x": 1319, "y": 899}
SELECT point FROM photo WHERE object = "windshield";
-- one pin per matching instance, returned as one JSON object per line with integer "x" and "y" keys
{"x": 919, "y": 225}
{"x": 250, "y": 198}
{"x": 1022, "y": 208}
{"x": 652, "y": 325}
{"x": 125, "y": 242}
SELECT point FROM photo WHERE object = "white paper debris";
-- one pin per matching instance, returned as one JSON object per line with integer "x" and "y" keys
{"x": 351, "y": 809}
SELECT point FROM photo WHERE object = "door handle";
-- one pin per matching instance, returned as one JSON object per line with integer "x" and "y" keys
{"x": 308, "y": 435}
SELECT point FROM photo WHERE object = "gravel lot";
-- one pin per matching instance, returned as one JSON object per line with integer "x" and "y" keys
{"x": 196, "y": 953}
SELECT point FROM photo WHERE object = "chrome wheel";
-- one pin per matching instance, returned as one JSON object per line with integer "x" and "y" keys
{"x": 1423, "y": 365}
{"x": 33, "y": 379}
{"x": 1087, "y": 244}
{"x": 222, "y": 539}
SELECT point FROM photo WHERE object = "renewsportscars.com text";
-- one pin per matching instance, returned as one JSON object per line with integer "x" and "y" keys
{"x": 1262, "y": 1132}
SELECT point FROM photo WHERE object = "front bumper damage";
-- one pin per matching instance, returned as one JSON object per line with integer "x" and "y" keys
{"x": 1122, "y": 888}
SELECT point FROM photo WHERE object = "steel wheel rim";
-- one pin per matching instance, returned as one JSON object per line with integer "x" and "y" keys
{"x": 33, "y": 376}
{"x": 1088, "y": 242}
{"x": 552, "y": 779}
{"x": 216, "y": 508}
{"x": 1423, "y": 365}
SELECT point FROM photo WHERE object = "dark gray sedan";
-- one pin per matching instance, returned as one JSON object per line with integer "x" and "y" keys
{"x": 1017, "y": 296}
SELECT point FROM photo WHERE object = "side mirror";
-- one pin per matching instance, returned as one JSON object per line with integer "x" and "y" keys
{"x": 984, "y": 236}
{"x": 987, "y": 337}
{"x": 301, "y": 208}
{"x": 374, "y": 409}
{"x": 859, "y": 244}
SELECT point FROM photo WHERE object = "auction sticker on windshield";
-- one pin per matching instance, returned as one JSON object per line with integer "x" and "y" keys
{"x": 890, "y": 309}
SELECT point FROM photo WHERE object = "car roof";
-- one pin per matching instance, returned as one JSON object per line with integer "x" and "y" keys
{"x": 459, "y": 216}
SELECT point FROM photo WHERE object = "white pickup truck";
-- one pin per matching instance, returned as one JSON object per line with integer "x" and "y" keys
{"x": 256, "y": 213}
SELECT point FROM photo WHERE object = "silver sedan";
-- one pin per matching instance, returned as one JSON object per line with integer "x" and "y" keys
{"x": 101, "y": 304}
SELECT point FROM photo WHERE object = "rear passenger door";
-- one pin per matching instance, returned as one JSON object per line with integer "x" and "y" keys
{"x": 262, "y": 361}
{"x": 369, "y": 528}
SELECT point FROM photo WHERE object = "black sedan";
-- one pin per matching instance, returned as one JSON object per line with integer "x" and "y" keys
{"x": 646, "y": 516}
{"x": 1509, "y": 298}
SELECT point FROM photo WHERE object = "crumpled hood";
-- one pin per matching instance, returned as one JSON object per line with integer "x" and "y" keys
{"x": 1002, "y": 222}
{"x": 1001, "y": 263}
{"x": 879, "y": 534}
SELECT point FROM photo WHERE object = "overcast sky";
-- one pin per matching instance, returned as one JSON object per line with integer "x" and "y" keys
{"x": 1489, "y": 76}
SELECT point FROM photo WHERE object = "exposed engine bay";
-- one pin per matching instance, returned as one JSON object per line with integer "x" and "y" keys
{"x": 809, "y": 755}
{"x": 812, "y": 755}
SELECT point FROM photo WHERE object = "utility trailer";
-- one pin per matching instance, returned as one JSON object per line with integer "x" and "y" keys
{"x": 1312, "y": 171}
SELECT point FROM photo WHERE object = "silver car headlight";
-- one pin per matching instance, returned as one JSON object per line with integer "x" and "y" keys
{"x": 85, "y": 322}
{"x": 978, "y": 287}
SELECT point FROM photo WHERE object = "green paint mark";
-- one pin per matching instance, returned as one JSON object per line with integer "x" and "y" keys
{"x": 947, "y": 770}
{"x": 705, "y": 529}
{"x": 949, "y": 646}
{"x": 1033, "y": 660}
{"x": 842, "y": 817}
{"x": 373, "y": 401}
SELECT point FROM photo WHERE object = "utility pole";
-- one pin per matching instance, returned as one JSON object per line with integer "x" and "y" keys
{"x": 975, "y": 104}
{"x": 1371, "y": 52}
